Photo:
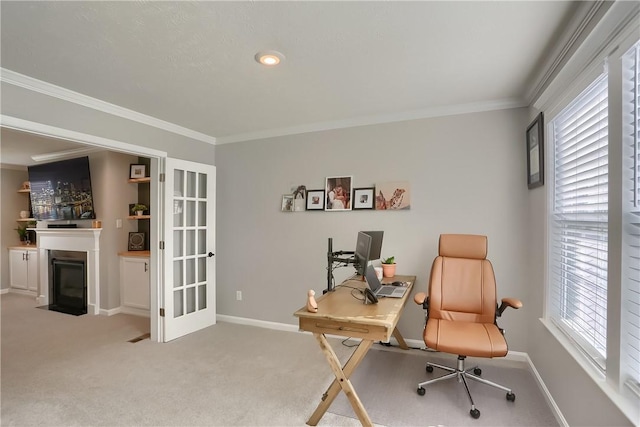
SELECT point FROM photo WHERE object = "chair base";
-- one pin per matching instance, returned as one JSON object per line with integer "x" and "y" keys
{"x": 462, "y": 374}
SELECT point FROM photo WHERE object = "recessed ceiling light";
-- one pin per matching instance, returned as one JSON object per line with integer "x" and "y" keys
{"x": 269, "y": 58}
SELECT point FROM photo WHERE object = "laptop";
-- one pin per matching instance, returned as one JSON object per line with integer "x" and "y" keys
{"x": 380, "y": 290}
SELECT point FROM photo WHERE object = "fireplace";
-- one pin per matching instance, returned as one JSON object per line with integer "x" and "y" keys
{"x": 68, "y": 282}
{"x": 86, "y": 241}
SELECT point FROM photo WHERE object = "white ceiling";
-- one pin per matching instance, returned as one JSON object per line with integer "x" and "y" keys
{"x": 192, "y": 63}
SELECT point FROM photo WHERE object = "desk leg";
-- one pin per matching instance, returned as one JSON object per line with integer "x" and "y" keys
{"x": 398, "y": 336}
{"x": 342, "y": 381}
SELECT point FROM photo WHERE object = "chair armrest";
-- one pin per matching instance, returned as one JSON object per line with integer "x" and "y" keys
{"x": 421, "y": 298}
{"x": 509, "y": 302}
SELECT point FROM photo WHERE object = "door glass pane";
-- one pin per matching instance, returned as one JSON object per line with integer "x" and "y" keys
{"x": 177, "y": 303}
{"x": 202, "y": 269}
{"x": 177, "y": 243}
{"x": 178, "y": 215}
{"x": 191, "y": 184}
{"x": 191, "y": 271}
{"x": 202, "y": 297}
{"x": 202, "y": 214}
{"x": 202, "y": 241}
{"x": 191, "y": 242}
{"x": 191, "y": 300}
{"x": 178, "y": 183}
{"x": 202, "y": 185}
{"x": 191, "y": 213}
{"x": 177, "y": 273}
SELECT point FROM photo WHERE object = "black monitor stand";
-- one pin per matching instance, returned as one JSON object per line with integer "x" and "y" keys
{"x": 338, "y": 257}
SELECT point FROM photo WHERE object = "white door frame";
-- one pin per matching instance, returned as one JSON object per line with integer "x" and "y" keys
{"x": 157, "y": 158}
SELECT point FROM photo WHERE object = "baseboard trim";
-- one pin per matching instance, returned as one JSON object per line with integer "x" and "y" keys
{"x": 4, "y": 291}
{"x": 134, "y": 311}
{"x": 109, "y": 312}
{"x": 547, "y": 395}
{"x": 22, "y": 292}
{"x": 513, "y": 356}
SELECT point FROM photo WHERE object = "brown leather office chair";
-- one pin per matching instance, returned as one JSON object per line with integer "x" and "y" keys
{"x": 462, "y": 310}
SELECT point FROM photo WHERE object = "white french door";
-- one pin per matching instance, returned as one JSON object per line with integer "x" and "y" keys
{"x": 189, "y": 234}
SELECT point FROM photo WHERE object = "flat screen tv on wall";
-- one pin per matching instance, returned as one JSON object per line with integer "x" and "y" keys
{"x": 61, "y": 190}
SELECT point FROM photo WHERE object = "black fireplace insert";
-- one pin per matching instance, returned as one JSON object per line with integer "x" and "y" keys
{"x": 68, "y": 284}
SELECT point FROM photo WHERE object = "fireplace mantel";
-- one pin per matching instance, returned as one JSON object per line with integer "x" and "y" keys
{"x": 71, "y": 239}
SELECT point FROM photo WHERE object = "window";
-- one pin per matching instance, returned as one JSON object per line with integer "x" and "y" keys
{"x": 630, "y": 328}
{"x": 579, "y": 221}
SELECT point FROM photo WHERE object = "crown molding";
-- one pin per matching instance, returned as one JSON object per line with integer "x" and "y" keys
{"x": 39, "y": 86}
{"x": 375, "y": 120}
{"x": 585, "y": 18}
{"x": 42, "y": 129}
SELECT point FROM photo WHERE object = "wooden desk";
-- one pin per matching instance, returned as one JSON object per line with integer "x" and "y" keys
{"x": 339, "y": 313}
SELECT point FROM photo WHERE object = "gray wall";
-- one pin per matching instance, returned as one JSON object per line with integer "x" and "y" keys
{"x": 35, "y": 107}
{"x": 466, "y": 174}
{"x": 112, "y": 195}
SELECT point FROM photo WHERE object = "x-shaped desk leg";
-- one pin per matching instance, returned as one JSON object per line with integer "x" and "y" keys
{"x": 342, "y": 381}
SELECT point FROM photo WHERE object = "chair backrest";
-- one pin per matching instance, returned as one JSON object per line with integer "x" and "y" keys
{"x": 462, "y": 285}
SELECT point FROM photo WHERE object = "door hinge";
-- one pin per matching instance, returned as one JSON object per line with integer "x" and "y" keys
{"x": 162, "y": 312}
{"x": 162, "y": 244}
{"x": 162, "y": 177}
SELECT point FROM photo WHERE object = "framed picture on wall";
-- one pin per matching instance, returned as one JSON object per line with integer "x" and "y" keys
{"x": 315, "y": 200}
{"x": 287, "y": 203}
{"x": 535, "y": 153}
{"x": 393, "y": 195}
{"x": 338, "y": 190}
{"x": 363, "y": 198}
{"x": 137, "y": 171}
{"x": 136, "y": 241}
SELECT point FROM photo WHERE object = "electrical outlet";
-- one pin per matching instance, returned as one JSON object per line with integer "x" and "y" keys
{"x": 238, "y": 295}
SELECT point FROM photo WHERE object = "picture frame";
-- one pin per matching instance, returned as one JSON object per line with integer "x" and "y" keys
{"x": 136, "y": 241}
{"x": 299, "y": 194}
{"x": 315, "y": 200}
{"x": 338, "y": 193}
{"x": 137, "y": 171}
{"x": 287, "y": 203}
{"x": 363, "y": 198}
{"x": 535, "y": 152}
{"x": 395, "y": 195}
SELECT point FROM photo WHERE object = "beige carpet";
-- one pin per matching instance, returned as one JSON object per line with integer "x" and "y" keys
{"x": 62, "y": 370}
{"x": 386, "y": 383}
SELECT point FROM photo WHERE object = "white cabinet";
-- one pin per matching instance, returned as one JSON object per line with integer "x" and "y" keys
{"x": 23, "y": 269}
{"x": 134, "y": 282}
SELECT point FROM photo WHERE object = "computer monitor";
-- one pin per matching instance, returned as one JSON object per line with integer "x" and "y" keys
{"x": 376, "y": 244}
{"x": 361, "y": 255}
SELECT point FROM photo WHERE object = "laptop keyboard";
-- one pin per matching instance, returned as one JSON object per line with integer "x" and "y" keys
{"x": 386, "y": 290}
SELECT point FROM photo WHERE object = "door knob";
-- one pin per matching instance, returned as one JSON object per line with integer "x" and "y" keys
{"x": 211, "y": 254}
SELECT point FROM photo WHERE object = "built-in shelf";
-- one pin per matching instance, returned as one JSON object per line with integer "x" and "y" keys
{"x": 140, "y": 180}
{"x": 24, "y": 191}
{"x": 139, "y": 217}
{"x": 26, "y": 220}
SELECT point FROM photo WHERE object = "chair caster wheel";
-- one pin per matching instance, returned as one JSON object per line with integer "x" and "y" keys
{"x": 475, "y": 413}
{"x": 429, "y": 368}
{"x": 477, "y": 371}
{"x": 511, "y": 397}
{"x": 421, "y": 391}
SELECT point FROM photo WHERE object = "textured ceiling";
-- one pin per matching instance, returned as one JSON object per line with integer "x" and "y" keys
{"x": 192, "y": 63}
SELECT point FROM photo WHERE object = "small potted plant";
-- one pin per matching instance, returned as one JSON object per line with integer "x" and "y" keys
{"x": 22, "y": 233}
{"x": 138, "y": 208}
{"x": 389, "y": 267}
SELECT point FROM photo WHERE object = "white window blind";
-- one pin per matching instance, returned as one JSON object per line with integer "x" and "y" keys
{"x": 579, "y": 230}
{"x": 630, "y": 328}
